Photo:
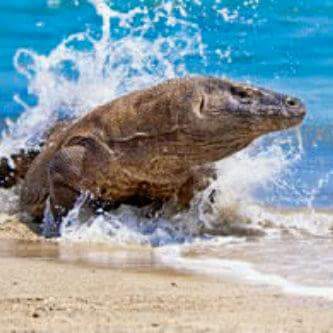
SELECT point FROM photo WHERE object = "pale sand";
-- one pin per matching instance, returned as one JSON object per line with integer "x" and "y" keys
{"x": 49, "y": 295}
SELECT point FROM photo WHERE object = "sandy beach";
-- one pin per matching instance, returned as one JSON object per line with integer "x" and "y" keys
{"x": 45, "y": 291}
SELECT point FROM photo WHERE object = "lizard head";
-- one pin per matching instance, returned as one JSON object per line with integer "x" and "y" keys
{"x": 204, "y": 119}
{"x": 220, "y": 117}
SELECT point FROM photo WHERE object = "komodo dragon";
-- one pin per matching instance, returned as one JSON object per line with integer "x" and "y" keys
{"x": 150, "y": 146}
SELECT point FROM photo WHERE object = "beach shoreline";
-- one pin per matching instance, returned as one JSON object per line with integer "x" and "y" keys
{"x": 41, "y": 292}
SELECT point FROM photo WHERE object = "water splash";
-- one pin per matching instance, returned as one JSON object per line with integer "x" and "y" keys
{"x": 84, "y": 70}
{"x": 235, "y": 269}
{"x": 90, "y": 68}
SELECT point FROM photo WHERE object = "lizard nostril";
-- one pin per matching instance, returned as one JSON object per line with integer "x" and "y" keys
{"x": 291, "y": 102}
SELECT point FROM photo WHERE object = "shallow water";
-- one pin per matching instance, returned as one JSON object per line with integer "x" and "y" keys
{"x": 272, "y": 219}
{"x": 242, "y": 265}
{"x": 94, "y": 255}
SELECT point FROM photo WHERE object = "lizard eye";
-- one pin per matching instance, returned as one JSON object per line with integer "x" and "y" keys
{"x": 239, "y": 92}
{"x": 243, "y": 95}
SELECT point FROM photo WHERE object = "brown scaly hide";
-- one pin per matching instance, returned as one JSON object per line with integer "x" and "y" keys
{"x": 153, "y": 145}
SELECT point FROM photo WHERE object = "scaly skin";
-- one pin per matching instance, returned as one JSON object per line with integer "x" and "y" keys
{"x": 153, "y": 145}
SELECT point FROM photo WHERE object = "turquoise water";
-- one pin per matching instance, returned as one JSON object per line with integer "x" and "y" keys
{"x": 285, "y": 45}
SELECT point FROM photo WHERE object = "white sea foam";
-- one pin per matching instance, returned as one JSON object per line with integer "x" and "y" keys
{"x": 84, "y": 71}
{"x": 172, "y": 257}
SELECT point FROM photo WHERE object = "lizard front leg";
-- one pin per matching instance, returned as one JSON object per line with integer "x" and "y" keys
{"x": 199, "y": 180}
{"x": 73, "y": 171}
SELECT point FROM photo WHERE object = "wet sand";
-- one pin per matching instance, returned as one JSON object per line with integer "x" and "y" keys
{"x": 64, "y": 288}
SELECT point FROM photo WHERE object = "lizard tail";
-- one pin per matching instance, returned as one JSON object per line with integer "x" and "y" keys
{"x": 14, "y": 169}
{"x": 12, "y": 173}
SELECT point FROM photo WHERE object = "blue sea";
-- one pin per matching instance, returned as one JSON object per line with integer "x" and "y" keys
{"x": 61, "y": 58}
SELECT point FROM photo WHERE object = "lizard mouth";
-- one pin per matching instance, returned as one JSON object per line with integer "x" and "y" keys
{"x": 267, "y": 120}
{"x": 292, "y": 116}
{"x": 276, "y": 123}
{"x": 284, "y": 116}
{"x": 292, "y": 122}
